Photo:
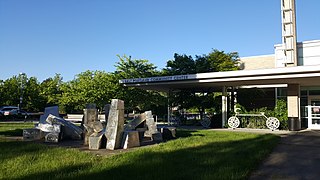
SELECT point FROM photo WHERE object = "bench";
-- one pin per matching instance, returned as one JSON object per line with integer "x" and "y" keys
{"x": 78, "y": 117}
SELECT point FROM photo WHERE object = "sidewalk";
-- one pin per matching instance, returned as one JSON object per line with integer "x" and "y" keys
{"x": 296, "y": 157}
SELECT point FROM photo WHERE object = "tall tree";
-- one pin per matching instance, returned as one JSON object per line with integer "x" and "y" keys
{"x": 32, "y": 99}
{"x": 137, "y": 99}
{"x": 50, "y": 90}
{"x": 88, "y": 87}
{"x": 221, "y": 61}
{"x": 213, "y": 62}
{"x": 134, "y": 68}
{"x": 181, "y": 64}
{"x": 11, "y": 91}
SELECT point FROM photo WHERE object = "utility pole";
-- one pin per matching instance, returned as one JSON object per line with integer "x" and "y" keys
{"x": 21, "y": 78}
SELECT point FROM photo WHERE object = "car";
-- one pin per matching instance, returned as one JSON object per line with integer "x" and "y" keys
{"x": 17, "y": 112}
{"x": 5, "y": 110}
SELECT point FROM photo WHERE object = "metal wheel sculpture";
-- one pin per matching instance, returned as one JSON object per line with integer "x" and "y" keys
{"x": 233, "y": 122}
{"x": 205, "y": 122}
{"x": 272, "y": 123}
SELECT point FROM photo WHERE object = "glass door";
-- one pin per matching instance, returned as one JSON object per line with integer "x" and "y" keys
{"x": 314, "y": 112}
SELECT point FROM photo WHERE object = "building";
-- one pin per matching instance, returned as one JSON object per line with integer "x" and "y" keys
{"x": 292, "y": 72}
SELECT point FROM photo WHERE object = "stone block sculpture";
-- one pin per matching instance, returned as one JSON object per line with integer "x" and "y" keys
{"x": 130, "y": 139}
{"x": 115, "y": 125}
{"x": 90, "y": 116}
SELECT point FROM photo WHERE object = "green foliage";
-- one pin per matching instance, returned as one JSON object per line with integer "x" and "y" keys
{"x": 88, "y": 87}
{"x": 10, "y": 91}
{"x": 182, "y": 64}
{"x": 138, "y": 99}
{"x": 22, "y": 86}
{"x": 134, "y": 68}
{"x": 221, "y": 61}
{"x": 50, "y": 90}
{"x": 100, "y": 87}
{"x": 213, "y": 62}
{"x": 280, "y": 112}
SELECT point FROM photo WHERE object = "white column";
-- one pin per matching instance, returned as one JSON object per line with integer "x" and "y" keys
{"x": 224, "y": 106}
{"x": 293, "y": 100}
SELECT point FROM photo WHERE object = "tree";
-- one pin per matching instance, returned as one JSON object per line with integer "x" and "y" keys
{"x": 11, "y": 91}
{"x": 137, "y": 99}
{"x": 134, "y": 68}
{"x": 88, "y": 87}
{"x": 181, "y": 64}
{"x": 23, "y": 87}
{"x": 213, "y": 62}
{"x": 50, "y": 90}
{"x": 32, "y": 99}
{"x": 221, "y": 61}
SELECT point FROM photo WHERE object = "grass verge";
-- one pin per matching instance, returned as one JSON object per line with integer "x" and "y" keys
{"x": 13, "y": 128}
{"x": 198, "y": 155}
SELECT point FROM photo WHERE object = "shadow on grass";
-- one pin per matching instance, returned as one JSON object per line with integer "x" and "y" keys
{"x": 12, "y": 149}
{"x": 14, "y": 132}
{"x": 182, "y": 133}
{"x": 214, "y": 160}
{"x": 219, "y": 160}
{"x": 60, "y": 173}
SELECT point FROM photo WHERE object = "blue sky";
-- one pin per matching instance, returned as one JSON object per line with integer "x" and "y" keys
{"x": 44, "y": 37}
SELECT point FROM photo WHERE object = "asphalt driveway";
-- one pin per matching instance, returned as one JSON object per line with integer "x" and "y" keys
{"x": 296, "y": 157}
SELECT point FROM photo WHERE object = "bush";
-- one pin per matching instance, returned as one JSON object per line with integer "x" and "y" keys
{"x": 280, "y": 112}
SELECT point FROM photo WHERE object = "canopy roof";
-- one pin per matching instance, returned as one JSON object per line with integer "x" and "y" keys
{"x": 303, "y": 75}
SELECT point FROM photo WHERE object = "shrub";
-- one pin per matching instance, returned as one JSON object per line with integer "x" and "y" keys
{"x": 280, "y": 112}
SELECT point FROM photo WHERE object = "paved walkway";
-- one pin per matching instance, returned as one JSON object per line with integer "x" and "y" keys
{"x": 296, "y": 157}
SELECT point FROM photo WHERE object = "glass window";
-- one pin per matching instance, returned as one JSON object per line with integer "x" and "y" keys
{"x": 314, "y": 92}
{"x": 304, "y": 93}
{"x": 303, "y": 101}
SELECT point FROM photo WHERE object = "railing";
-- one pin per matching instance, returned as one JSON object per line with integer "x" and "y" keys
{"x": 271, "y": 122}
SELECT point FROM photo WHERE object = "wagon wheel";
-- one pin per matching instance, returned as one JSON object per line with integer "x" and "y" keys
{"x": 233, "y": 122}
{"x": 272, "y": 123}
{"x": 205, "y": 122}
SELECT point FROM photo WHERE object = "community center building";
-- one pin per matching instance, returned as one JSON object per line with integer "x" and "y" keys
{"x": 292, "y": 72}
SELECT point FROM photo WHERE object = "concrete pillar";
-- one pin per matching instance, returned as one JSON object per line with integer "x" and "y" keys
{"x": 293, "y": 100}
{"x": 115, "y": 126}
{"x": 224, "y": 106}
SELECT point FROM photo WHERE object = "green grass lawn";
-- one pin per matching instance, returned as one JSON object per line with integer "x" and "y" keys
{"x": 14, "y": 128}
{"x": 195, "y": 155}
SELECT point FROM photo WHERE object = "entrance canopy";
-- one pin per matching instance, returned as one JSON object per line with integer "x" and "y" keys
{"x": 302, "y": 75}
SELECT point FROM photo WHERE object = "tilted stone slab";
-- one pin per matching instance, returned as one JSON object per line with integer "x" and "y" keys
{"x": 31, "y": 134}
{"x": 107, "y": 110}
{"x": 49, "y": 127}
{"x": 157, "y": 137}
{"x": 92, "y": 128}
{"x": 132, "y": 125}
{"x": 68, "y": 129}
{"x": 90, "y": 115}
{"x": 130, "y": 139}
{"x": 97, "y": 141}
{"x": 52, "y": 137}
{"x": 168, "y": 133}
{"x": 141, "y": 133}
{"x": 54, "y": 110}
{"x": 115, "y": 125}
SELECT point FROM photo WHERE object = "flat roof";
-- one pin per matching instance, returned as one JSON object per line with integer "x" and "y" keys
{"x": 214, "y": 81}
